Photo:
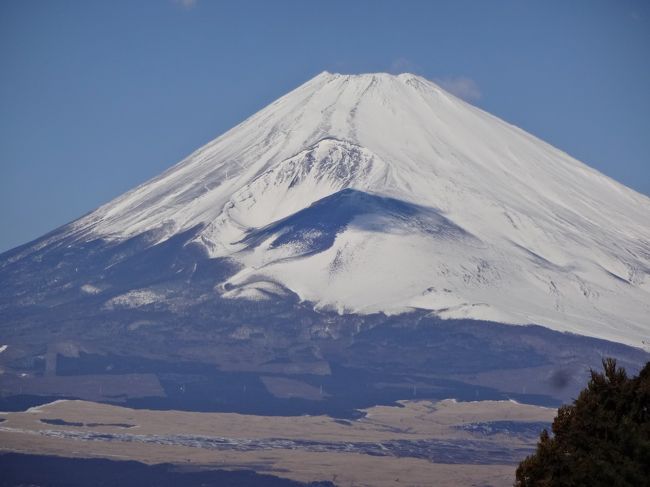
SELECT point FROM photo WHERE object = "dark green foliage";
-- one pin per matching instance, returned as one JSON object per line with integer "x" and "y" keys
{"x": 603, "y": 438}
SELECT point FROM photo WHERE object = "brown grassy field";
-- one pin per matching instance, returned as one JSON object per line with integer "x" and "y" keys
{"x": 415, "y": 420}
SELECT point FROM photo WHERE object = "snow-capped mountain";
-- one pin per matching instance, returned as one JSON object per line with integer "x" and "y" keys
{"x": 367, "y": 193}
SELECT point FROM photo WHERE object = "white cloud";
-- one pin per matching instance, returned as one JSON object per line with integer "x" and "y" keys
{"x": 186, "y": 3}
{"x": 461, "y": 86}
{"x": 401, "y": 65}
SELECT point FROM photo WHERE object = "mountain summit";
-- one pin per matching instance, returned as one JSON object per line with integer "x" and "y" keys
{"x": 380, "y": 193}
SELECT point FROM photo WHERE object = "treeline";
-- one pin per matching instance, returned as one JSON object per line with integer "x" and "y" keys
{"x": 602, "y": 439}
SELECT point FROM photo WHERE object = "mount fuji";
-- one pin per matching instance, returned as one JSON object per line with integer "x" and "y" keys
{"x": 356, "y": 218}
{"x": 379, "y": 193}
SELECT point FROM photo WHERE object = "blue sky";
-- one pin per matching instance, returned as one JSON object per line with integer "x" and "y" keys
{"x": 97, "y": 97}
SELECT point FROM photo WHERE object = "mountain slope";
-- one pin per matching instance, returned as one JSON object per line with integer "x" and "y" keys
{"x": 371, "y": 193}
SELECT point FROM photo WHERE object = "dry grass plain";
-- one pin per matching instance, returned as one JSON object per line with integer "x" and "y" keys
{"x": 414, "y": 421}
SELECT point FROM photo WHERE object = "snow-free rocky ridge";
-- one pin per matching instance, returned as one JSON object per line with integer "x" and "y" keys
{"x": 374, "y": 192}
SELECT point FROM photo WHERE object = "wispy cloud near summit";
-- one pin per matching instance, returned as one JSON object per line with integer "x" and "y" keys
{"x": 187, "y": 4}
{"x": 402, "y": 65}
{"x": 461, "y": 86}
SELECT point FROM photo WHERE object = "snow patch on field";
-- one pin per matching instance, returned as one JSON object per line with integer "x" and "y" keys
{"x": 90, "y": 289}
{"x": 134, "y": 299}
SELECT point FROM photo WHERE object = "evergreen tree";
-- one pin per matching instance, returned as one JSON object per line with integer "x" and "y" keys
{"x": 603, "y": 438}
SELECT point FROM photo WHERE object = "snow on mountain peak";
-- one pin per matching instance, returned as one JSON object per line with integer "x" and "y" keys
{"x": 538, "y": 236}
